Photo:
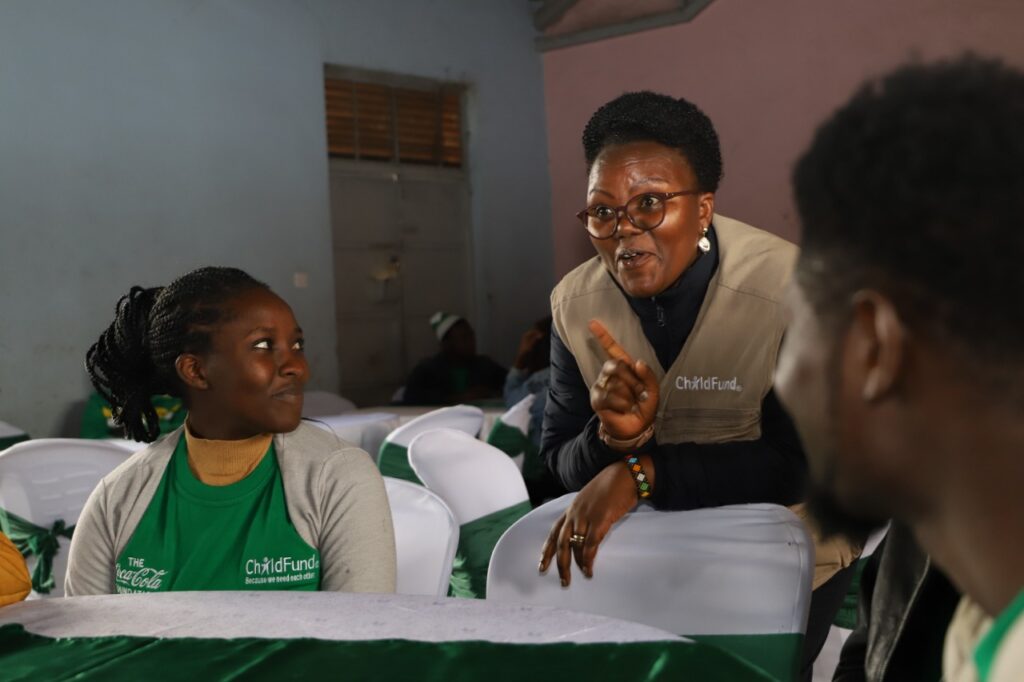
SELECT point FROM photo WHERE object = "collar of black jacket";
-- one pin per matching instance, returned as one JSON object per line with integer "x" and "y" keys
{"x": 691, "y": 285}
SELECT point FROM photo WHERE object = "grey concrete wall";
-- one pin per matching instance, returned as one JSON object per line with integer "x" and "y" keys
{"x": 141, "y": 139}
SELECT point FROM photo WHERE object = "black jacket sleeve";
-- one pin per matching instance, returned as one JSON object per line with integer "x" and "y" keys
{"x": 569, "y": 442}
{"x": 687, "y": 475}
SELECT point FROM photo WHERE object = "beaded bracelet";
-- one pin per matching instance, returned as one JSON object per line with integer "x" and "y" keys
{"x": 643, "y": 486}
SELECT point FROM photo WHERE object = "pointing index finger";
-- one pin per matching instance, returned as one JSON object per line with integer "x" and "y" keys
{"x": 610, "y": 345}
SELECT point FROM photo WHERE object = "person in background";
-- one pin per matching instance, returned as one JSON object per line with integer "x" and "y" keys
{"x": 530, "y": 373}
{"x": 663, "y": 348}
{"x": 244, "y": 496}
{"x": 528, "y": 376}
{"x": 15, "y": 583}
{"x": 903, "y": 365}
{"x": 456, "y": 374}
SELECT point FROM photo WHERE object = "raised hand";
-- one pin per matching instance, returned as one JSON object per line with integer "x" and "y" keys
{"x": 625, "y": 394}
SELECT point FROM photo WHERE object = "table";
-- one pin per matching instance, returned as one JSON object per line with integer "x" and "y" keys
{"x": 273, "y": 635}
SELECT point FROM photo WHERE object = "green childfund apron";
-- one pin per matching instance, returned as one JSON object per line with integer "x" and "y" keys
{"x": 195, "y": 536}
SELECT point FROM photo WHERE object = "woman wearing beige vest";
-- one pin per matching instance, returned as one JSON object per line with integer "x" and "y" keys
{"x": 664, "y": 346}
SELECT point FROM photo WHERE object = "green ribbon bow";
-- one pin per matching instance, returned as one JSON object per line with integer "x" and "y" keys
{"x": 31, "y": 540}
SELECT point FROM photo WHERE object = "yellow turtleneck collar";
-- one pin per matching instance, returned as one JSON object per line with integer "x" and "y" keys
{"x": 223, "y": 462}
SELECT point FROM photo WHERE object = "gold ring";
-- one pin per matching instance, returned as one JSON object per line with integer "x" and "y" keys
{"x": 577, "y": 539}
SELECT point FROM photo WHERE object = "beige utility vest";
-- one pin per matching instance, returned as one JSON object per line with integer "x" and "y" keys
{"x": 713, "y": 391}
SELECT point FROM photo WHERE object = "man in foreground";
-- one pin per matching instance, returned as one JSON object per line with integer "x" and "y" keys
{"x": 903, "y": 365}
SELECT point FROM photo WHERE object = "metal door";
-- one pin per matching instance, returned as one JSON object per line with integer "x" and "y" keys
{"x": 401, "y": 252}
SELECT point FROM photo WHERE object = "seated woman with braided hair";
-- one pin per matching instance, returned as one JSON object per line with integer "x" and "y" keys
{"x": 243, "y": 496}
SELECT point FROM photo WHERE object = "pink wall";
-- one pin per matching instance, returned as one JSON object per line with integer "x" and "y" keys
{"x": 766, "y": 72}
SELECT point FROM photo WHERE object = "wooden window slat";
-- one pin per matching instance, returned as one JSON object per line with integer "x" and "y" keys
{"x": 376, "y": 121}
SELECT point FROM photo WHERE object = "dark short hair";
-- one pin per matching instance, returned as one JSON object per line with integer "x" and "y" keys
{"x": 915, "y": 187}
{"x": 650, "y": 117}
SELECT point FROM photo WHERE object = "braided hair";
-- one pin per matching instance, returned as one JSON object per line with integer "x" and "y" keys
{"x": 134, "y": 358}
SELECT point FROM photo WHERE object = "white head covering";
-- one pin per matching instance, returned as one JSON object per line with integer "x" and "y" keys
{"x": 442, "y": 322}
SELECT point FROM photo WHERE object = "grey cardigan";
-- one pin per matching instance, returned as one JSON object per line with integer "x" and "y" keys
{"x": 334, "y": 493}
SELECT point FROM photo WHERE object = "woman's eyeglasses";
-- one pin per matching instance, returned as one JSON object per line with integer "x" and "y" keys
{"x": 645, "y": 211}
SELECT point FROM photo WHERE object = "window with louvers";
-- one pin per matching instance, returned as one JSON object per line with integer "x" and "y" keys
{"x": 383, "y": 122}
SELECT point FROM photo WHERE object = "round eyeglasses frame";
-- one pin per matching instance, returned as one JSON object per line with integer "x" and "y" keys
{"x": 586, "y": 214}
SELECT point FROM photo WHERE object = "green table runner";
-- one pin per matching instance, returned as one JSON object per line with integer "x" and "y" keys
{"x": 29, "y": 657}
{"x": 779, "y": 654}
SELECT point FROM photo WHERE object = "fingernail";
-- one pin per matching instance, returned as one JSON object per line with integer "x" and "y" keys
{"x": 587, "y": 572}
{"x": 635, "y": 409}
{"x": 565, "y": 583}
{"x": 643, "y": 396}
{"x": 540, "y": 567}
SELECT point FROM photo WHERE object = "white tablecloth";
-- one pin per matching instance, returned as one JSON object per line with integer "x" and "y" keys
{"x": 318, "y": 615}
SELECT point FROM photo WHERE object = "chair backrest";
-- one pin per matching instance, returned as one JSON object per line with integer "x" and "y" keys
{"x": 10, "y": 434}
{"x": 482, "y": 487}
{"x": 365, "y": 429}
{"x": 393, "y": 458}
{"x": 473, "y": 478}
{"x": 426, "y": 536}
{"x": 737, "y": 576}
{"x": 325, "y": 404}
{"x": 51, "y": 478}
{"x": 510, "y": 432}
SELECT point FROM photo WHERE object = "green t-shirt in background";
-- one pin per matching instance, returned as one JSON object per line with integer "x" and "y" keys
{"x": 195, "y": 536}
{"x": 98, "y": 416}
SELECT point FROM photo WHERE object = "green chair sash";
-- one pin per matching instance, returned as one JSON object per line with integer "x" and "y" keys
{"x": 31, "y": 540}
{"x": 512, "y": 441}
{"x": 476, "y": 543}
{"x": 8, "y": 441}
{"x": 394, "y": 462}
{"x": 30, "y": 657}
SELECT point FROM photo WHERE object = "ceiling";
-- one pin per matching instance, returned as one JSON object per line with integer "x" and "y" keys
{"x": 570, "y": 22}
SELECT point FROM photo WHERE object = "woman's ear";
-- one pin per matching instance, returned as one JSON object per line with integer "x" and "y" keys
{"x": 706, "y": 209}
{"x": 191, "y": 371}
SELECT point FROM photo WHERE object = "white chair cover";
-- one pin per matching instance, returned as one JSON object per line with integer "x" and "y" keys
{"x": 393, "y": 457}
{"x": 465, "y": 418}
{"x": 511, "y": 432}
{"x": 426, "y": 536}
{"x": 365, "y": 429}
{"x": 49, "y": 479}
{"x": 9, "y": 430}
{"x": 125, "y": 444}
{"x": 325, "y": 404}
{"x": 475, "y": 479}
{"x": 743, "y": 569}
